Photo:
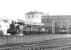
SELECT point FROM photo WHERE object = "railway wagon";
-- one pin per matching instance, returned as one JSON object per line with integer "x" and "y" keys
{"x": 36, "y": 29}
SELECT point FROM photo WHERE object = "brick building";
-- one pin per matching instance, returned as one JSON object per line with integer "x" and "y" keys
{"x": 57, "y": 21}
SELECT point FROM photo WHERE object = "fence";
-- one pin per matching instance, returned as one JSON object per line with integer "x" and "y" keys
{"x": 7, "y": 39}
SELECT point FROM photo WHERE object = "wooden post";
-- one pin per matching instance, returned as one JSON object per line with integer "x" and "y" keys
{"x": 53, "y": 26}
{"x": 67, "y": 27}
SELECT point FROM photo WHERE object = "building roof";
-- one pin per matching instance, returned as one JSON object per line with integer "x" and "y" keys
{"x": 34, "y": 12}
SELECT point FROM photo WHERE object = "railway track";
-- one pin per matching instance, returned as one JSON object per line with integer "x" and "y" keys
{"x": 54, "y": 44}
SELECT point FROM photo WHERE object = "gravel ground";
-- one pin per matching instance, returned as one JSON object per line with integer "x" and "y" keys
{"x": 37, "y": 42}
{"x": 54, "y": 44}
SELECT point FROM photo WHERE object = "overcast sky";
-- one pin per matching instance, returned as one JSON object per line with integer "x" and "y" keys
{"x": 17, "y": 8}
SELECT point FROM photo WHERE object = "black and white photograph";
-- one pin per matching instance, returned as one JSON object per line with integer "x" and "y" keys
{"x": 35, "y": 25}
